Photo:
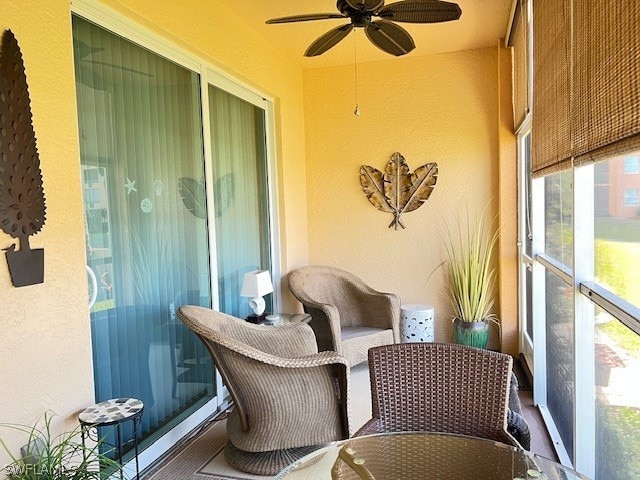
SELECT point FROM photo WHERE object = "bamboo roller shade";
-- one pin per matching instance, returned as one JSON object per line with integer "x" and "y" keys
{"x": 586, "y": 103}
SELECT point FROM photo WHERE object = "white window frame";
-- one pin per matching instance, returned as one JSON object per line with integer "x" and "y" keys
{"x": 586, "y": 294}
{"x": 525, "y": 263}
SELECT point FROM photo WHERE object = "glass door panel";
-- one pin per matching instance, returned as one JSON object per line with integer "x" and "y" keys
{"x": 146, "y": 234}
{"x": 237, "y": 129}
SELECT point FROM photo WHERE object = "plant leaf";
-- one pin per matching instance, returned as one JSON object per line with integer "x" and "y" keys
{"x": 193, "y": 197}
{"x": 398, "y": 187}
{"x": 224, "y": 193}
{"x": 424, "y": 181}
{"x": 471, "y": 273}
{"x": 372, "y": 183}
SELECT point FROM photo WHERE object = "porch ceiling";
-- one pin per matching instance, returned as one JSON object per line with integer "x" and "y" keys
{"x": 482, "y": 24}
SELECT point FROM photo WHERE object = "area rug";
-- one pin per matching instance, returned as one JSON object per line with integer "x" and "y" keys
{"x": 202, "y": 456}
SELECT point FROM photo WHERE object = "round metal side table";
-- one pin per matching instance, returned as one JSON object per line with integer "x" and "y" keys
{"x": 113, "y": 413}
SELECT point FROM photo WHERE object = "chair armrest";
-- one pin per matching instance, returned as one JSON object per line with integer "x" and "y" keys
{"x": 381, "y": 310}
{"x": 518, "y": 427}
{"x": 325, "y": 322}
{"x": 371, "y": 427}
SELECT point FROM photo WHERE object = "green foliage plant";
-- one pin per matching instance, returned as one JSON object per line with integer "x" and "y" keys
{"x": 55, "y": 457}
{"x": 471, "y": 275}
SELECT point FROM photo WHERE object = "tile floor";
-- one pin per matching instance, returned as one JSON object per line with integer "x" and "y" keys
{"x": 540, "y": 441}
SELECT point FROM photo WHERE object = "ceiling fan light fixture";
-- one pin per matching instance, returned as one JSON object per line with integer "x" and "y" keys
{"x": 383, "y": 33}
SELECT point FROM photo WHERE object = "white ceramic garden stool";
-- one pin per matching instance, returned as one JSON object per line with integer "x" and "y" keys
{"x": 416, "y": 323}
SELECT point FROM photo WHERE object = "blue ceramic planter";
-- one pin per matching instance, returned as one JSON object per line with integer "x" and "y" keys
{"x": 473, "y": 334}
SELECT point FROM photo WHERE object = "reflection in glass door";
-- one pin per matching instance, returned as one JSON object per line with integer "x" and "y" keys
{"x": 146, "y": 231}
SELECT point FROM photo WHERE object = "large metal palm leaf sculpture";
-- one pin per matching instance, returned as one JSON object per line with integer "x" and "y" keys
{"x": 398, "y": 190}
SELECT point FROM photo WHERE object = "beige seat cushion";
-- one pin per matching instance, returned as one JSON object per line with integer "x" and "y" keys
{"x": 357, "y": 341}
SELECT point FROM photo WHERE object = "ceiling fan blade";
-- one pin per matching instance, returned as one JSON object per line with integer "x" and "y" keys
{"x": 306, "y": 18}
{"x": 390, "y": 37}
{"x": 328, "y": 40}
{"x": 365, "y": 5}
{"x": 421, "y": 11}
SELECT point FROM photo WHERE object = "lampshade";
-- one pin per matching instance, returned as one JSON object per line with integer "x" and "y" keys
{"x": 256, "y": 284}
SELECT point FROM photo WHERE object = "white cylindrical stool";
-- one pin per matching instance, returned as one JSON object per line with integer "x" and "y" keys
{"x": 416, "y": 323}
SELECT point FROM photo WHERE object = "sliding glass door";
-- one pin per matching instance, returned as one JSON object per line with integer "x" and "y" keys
{"x": 176, "y": 199}
{"x": 141, "y": 136}
{"x": 238, "y": 152}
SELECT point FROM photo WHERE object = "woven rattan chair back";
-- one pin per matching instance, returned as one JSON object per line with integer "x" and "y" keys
{"x": 439, "y": 387}
{"x": 347, "y": 315}
{"x": 288, "y": 398}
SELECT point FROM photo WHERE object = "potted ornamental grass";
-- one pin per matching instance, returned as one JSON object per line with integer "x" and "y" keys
{"x": 471, "y": 278}
{"x": 49, "y": 456}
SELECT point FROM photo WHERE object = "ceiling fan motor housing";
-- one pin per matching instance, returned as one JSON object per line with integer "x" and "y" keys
{"x": 383, "y": 33}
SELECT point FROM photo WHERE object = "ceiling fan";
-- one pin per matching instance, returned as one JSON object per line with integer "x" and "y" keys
{"x": 383, "y": 33}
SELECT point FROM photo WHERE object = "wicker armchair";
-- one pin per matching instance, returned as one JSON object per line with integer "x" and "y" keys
{"x": 348, "y": 316}
{"x": 288, "y": 399}
{"x": 439, "y": 387}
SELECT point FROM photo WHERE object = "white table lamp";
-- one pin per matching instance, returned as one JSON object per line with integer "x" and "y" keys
{"x": 255, "y": 285}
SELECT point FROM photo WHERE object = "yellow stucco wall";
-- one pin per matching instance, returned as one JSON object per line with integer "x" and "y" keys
{"x": 438, "y": 108}
{"x": 508, "y": 206}
{"x": 441, "y": 108}
{"x": 45, "y": 362}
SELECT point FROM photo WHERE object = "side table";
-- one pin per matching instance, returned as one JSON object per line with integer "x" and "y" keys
{"x": 114, "y": 412}
{"x": 416, "y": 323}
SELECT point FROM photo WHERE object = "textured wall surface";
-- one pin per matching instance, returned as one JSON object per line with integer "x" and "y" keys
{"x": 45, "y": 361}
{"x": 508, "y": 210}
{"x": 439, "y": 108}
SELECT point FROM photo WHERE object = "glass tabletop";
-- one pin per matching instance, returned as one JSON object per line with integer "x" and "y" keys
{"x": 421, "y": 455}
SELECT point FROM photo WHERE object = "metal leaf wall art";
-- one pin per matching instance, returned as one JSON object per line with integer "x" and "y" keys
{"x": 22, "y": 203}
{"x": 398, "y": 190}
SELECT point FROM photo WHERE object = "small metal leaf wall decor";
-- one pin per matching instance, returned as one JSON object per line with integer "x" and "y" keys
{"x": 398, "y": 190}
{"x": 22, "y": 204}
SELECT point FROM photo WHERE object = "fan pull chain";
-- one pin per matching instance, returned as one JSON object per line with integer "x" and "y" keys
{"x": 356, "y": 112}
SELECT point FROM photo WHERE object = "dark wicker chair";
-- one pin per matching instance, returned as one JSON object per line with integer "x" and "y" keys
{"x": 288, "y": 399}
{"x": 347, "y": 316}
{"x": 439, "y": 387}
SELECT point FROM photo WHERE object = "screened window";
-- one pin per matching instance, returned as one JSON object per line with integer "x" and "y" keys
{"x": 585, "y": 124}
{"x": 559, "y": 217}
{"x": 617, "y": 369}
{"x": 617, "y": 239}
